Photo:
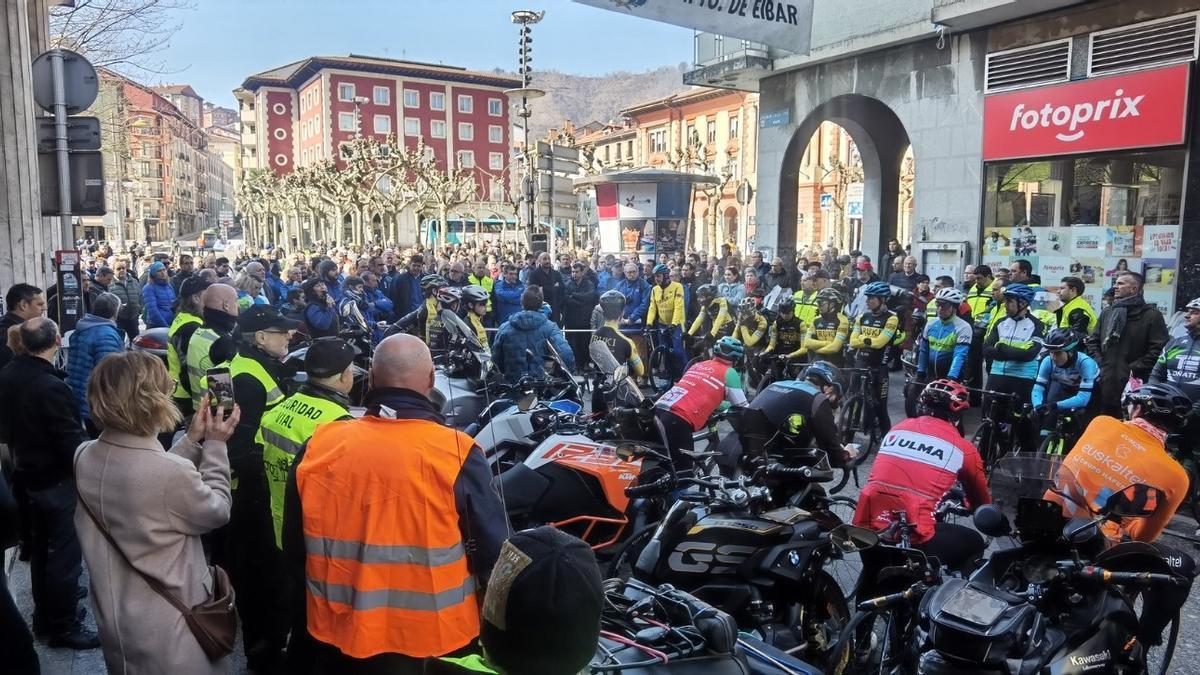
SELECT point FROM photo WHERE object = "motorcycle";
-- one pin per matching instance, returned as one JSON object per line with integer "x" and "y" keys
{"x": 461, "y": 386}
{"x": 776, "y": 569}
{"x": 358, "y": 340}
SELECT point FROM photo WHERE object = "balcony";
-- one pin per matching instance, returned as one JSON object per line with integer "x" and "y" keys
{"x": 728, "y": 63}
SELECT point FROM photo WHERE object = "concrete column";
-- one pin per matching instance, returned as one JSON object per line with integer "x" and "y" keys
{"x": 24, "y": 242}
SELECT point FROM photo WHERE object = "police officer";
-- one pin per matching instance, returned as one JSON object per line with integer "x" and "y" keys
{"x": 212, "y": 344}
{"x": 264, "y": 335}
{"x": 186, "y": 322}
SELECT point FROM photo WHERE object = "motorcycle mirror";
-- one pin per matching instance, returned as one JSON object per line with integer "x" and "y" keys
{"x": 1079, "y": 531}
{"x": 851, "y": 539}
{"x": 991, "y": 521}
{"x": 1135, "y": 501}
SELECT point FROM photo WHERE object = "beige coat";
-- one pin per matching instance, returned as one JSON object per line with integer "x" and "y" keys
{"x": 156, "y": 505}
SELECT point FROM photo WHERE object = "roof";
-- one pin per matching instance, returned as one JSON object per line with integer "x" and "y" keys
{"x": 184, "y": 89}
{"x": 606, "y": 134}
{"x": 694, "y": 95}
{"x": 646, "y": 175}
{"x": 295, "y": 74}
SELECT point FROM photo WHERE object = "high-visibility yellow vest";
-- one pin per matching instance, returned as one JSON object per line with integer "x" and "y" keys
{"x": 241, "y": 365}
{"x": 1077, "y": 303}
{"x": 284, "y": 430}
{"x": 199, "y": 361}
{"x": 978, "y": 299}
{"x": 174, "y": 367}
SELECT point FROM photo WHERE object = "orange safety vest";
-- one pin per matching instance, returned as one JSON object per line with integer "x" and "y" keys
{"x": 386, "y": 570}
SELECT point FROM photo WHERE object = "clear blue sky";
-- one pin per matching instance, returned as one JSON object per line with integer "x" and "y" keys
{"x": 223, "y": 41}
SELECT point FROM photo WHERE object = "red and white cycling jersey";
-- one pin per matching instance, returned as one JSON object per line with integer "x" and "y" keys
{"x": 919, "y": 460}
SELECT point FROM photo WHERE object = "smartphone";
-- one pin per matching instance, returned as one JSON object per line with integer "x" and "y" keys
{"x": 220, "y": 389}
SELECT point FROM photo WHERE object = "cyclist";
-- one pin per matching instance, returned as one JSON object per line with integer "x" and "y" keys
{"x": 785, "y": 338}
{"x": 1065, "y": 380}
{"x": 705, "y": 387}
{"x": 946, "y": 340}
{"x": 829, "y": 331}
{"x": 423, "y": 321}
{"x": 475, "y": 303}
{"x": 667, "y": 312}
{"x": 796, "y": 414}
{"x": 874, "y": 331}
{"x": 918, "y": 462}
{"x": 1012, "y": 347}
{"x": 1179, "y": 363}
{"x": 612, "y": 304}
{"x": 713, "y": 320}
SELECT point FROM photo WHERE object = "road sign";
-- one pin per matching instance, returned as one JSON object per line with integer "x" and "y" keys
{"x": 87, "y": 184}
{"x": 562, "y": 152}
{"x": 83, "y": 133}
{"x": 80, "y": 83}
{"x": 744, "y": 193}
{"x": 561, "y": 185}
{"x": 826, "y": 200}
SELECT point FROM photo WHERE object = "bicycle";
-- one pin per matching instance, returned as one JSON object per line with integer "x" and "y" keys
{"x": 779, "y": 367}
{"x": 853, "y": 419}
{"x": 658, "y": 366}
{"x": 997, "y": 432}
{"x": 1062, "y": 437}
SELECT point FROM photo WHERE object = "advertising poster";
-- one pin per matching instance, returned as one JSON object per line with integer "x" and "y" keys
{"x": 610, "y": 236}
{"x": 1053, "y": 269}
{"x": 1114, "y": 266}
{"x": 670, "y": 236}
{"x": 1160, "y": 241}
{"x": 636, "y": 237}
{"x": 1055, "y": 241}
{"x": 1087, "y": 269}
{"x": 994, "y": 261}
{"x": 1025, "y": 242}
{"x": 637, "y": 200}
{"x": 1088, "y": 242}
{"x": 1124, "y": 242}
{"x": 1160, "y": 283}
{"x": 997, "y": 242}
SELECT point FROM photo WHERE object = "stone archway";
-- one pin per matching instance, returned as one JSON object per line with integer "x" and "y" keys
{"x": 881, "y": 140}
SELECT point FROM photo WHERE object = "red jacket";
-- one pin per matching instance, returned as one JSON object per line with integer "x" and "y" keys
{"x": 919, "y": 460}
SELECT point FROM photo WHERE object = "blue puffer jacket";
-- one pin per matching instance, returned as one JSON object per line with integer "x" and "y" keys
{"x": 528, "y": 330}
{"x": 158, "y": 297}
{"x": 637, "y": 298}
{"x": 93, "y": 339}
{"x": 506, "y": 299}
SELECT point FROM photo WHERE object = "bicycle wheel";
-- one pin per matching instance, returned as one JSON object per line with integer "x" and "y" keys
{"x": 849, "y": 419}
{"x": 845, "y": 568}
{"x": 660, "y": 370}
{"x": 982, "y": 439}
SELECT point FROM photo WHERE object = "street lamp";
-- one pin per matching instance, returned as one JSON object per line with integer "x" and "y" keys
{"x": 526, "y": 18}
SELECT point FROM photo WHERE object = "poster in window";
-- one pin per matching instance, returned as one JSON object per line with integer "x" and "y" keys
{"x": 1160, "y": 276}
{"x": 997, "y": 241}
{"x": 1124, "y": 241}
{"x": 1088, "y": 242}
{"x": 1041, "y": 209}
{"x": 1053, "y": 269}
{"x": 668, "y": 239}
{"x": 1114, "y": 266}
{"x": 1087, "y": 269}
{"x": 1160, "y": 241}
{"x": 1024, "y": 242}
{"x": 1054, "y": 241}
{"x": 636, "y": 237}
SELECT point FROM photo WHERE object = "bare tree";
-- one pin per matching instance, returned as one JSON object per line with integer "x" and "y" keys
{"x": 126, "y": 35}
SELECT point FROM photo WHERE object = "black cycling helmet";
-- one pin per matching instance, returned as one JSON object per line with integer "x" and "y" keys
{"x": 829, "y": 295}
{"x": 787, "y": 306}
{"x": 1062, "y": 340}
{"x": 474, "y": 294}
{"x": 1162, "y": 404}
{"x": 449, "y": 296}
{"x": 612, "y": 304}
{"x": 945, "y": 399}
{"x": 706, "y": 291}
{"x": 431, "y": 282}
{"x": 825, "y": 374}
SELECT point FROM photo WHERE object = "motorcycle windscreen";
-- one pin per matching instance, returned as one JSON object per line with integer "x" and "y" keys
{"x": 458, "y": 328}
{"x": 614, "y": 372}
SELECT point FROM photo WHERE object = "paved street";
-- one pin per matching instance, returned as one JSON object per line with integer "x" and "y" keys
{"x": 67, "y": 662}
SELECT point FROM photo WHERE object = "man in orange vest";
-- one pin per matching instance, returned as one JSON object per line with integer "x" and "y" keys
{"x": 391, "y": 572}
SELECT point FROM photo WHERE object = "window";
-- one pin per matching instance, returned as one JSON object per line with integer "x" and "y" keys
{"x": 428, "y": 155}
{"x": 466, "y": 104}
{"x": 346, "y": 121}
{"x": 382, "y": 95}
{"x": 437, "y": 128}
{"x": 733, "y": 171}
{"x": 658, "y": 140}
{"x": 691, "y": 136}
{"x": 607, "y": 159}
{"x": 629, "y": 150}
{"x": 412, "y": 98}
{"x": 495, "y": 161}
{"x": 466, "y": 131}
{"x": 345, "y": 92}
{"x": 734, "y": 126}
{"x": 712, "y": 131}
{"x": 495, "y": 107}
{"x": 412, "y": 127}
{"x": 466, "y": 159}
{"x": 496, "y": 190}
{"x": 383, "y": 124}
{"x": 437, "y": 100}
{"x": 495, "y": 133}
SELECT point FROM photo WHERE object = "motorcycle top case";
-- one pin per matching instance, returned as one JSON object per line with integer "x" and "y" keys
{"x": 976, "y": 622}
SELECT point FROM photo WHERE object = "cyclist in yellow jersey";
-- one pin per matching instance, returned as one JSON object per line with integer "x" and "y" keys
{"x": 874, "y": 330}
{"x": 714, "y": 319}
{"x": 827, "y": 335}
{"x": 667, "y": 312}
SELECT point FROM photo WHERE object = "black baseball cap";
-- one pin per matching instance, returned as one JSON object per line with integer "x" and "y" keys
{"x": 541, "y": 613}
{"x": 264, "y": 317}
{"x": 328, "y": 356}
{"x": 193, "y": 285}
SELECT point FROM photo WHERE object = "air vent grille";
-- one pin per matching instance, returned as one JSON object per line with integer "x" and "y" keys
{"x": 1143, "y": 45}
{"x": 1028, "y": 66}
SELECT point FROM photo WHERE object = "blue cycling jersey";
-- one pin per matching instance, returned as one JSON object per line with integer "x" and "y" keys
{"x": 944, "y": 347}
{"x": 1071, "y": 385}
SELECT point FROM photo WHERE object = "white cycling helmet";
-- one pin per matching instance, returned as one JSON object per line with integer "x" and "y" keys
{"x": 951, "y": 295}
{"x": 1194, "y": 304}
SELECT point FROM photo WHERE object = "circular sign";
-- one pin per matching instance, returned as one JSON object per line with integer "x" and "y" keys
{"x": 80, "y": 84}
{"x": 745, "y": 193}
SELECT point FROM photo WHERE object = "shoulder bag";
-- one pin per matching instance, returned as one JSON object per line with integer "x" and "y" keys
{"x": 213, "y": 622}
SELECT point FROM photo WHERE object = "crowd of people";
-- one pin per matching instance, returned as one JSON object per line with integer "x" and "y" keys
{"x": 312, "y": 511}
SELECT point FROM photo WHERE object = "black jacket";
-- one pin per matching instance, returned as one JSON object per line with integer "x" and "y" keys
{"x": 1127, "y": 347}
{"x": 579, "y": 299}
{"x": 552, "y": 288}
{"x": 39, "y": 417}
{"x": 245, "y": 455}
{"x": 7, "y": 321}
{"x": 405, "y": 287}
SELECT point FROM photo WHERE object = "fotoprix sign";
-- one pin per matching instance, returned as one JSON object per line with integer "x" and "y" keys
{"x": 1134, "y": 110}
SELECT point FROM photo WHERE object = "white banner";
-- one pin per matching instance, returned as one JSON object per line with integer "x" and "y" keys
{"x": 637, "y": 200}
{"x": 786, "y": 24}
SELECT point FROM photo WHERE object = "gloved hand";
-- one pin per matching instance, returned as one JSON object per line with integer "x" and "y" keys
{"x": 867, "y": 342}
{"x": 1041, "y": 410}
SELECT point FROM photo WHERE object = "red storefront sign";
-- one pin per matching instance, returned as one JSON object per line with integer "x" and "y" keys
{"x": 1135, "y": 110}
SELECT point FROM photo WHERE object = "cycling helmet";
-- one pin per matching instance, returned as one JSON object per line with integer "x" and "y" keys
{"x": 1061, "y": 340}
{"x": 1162, "y": 403}
{"x": 1194, "y": 304}
{"x": 431, "y": 282}
{"x": 706, "y": 291}
{"x": 824, "y": 373}
{"x": 950, "y": 295}
{"x": 943, "y": 398}
{"x": 449, "y": 295}
{"x": 747, "y": 306}
{"x": 660, "y": 268}
{"x": 1020, "y": 292}
{"x": 829, "y": 295}
{"x": 877, "y": 289}
{"x": 729, "y": 349}
{"x": 474, "y": 294}
{"x": 612, "y": 304}
{"x": 787, "y": 306}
